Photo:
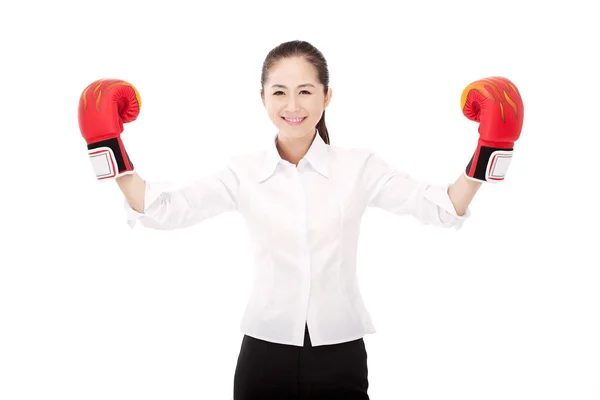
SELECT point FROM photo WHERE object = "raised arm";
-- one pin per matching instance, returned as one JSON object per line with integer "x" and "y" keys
{"x": 104, "y": 106}
{"x": 399, "y": 193}
{"x": 165, "y": 207}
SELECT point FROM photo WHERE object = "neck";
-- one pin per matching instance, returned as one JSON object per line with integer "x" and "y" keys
{"x": 294, "y": 149}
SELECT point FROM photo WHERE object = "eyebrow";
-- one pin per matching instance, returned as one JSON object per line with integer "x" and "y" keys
{"x": 300, "y": 86}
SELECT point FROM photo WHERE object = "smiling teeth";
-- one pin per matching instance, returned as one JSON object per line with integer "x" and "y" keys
{"x": 294, "y": 119}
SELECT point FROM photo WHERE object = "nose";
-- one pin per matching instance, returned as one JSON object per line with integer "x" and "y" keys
{"x": 293, "y": 104}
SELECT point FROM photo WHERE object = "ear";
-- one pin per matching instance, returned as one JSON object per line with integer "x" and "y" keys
{"x": 328, "y": 97}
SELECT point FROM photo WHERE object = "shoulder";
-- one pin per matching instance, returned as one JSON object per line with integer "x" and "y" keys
{"x": 248, "y": 159}
{"x": 352, "y": 155}
{"x": 248, "y": 165}
{"x": 361, "y": 161}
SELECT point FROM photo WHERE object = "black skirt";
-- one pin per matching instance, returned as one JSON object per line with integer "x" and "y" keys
{"x": 268, "y": 370}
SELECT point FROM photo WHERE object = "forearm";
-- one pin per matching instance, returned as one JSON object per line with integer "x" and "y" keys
{"x": 134, "y": 189}
{"x": 461, "y": 193}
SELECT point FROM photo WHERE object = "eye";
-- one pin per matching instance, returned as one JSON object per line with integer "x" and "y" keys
{"x": 305, "y": 91}
{"x": 278, "y": 93}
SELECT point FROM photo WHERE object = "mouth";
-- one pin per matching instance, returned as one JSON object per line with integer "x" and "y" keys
{"x": 294, "y": 121}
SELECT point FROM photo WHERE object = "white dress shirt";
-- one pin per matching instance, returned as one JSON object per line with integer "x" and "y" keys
{"x": 304, "y": 224}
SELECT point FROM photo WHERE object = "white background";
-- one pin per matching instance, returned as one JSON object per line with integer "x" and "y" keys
{"x": 506, "y": 308}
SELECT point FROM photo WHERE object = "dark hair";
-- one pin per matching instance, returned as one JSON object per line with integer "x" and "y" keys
{"x": 299, "y": 48}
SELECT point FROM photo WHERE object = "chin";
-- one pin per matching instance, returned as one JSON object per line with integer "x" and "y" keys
{"x": 296, "y": 131}
{"x": 295, "y": 134}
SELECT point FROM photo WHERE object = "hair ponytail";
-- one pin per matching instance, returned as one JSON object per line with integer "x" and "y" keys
{"x": 322, "y": 129}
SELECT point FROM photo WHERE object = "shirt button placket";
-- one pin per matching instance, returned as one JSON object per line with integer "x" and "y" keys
{"x": 303, "y": 240}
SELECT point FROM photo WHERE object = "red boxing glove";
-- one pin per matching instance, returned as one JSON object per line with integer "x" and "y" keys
{"x": 497, "y": 105}
{"x": 105, "y": 105}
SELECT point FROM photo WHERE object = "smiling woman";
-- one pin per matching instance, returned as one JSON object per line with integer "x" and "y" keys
{"x": 295, "y": 91}
{"x": 302, "y": 200}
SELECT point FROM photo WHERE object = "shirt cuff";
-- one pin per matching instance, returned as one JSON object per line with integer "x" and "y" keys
{"x": 448, "y": 216}
{"x": 152, "y": 193}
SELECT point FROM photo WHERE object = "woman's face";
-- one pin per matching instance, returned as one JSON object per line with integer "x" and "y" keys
{"x": 294, "y": 98}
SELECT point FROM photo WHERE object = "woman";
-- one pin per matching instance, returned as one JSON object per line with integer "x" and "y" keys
{"x": 302, "y": 200}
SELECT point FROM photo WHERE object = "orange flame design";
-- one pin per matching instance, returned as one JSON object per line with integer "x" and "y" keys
{"x": 99, "y": 89}
{"x": 499, "y": 90}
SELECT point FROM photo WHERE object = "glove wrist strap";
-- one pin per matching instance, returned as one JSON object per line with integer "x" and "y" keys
{"x": 109, "y": 159}
{"x": 489, "y": 163}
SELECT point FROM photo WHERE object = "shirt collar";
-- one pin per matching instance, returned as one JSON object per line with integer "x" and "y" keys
{"x": 316, "y": 156}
